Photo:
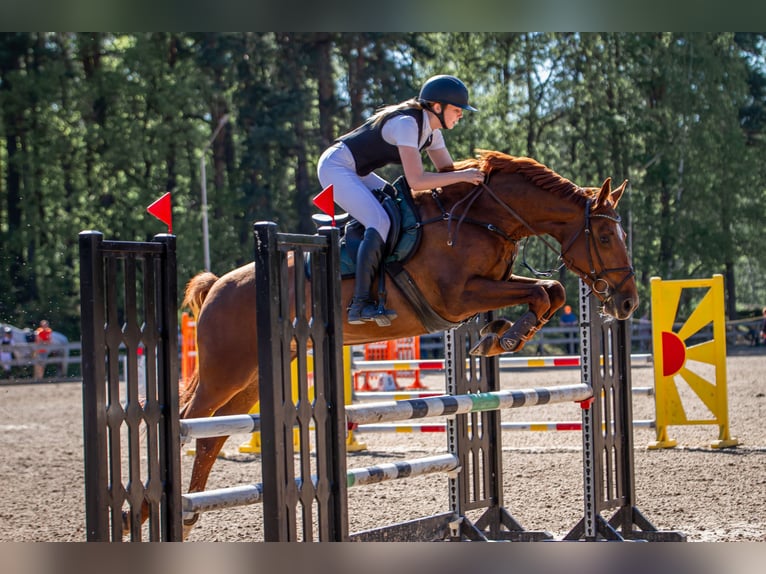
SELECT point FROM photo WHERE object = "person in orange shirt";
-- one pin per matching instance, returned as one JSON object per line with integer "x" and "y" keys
{"x": 43, "y": 336}
{"x": 569, "y": 319}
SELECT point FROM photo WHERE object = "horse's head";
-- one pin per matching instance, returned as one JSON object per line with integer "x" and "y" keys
{"x": 585, "y": 223}
{"x": 597, "y": 252}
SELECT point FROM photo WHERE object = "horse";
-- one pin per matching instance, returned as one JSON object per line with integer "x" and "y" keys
{"x": 463, "y": 266}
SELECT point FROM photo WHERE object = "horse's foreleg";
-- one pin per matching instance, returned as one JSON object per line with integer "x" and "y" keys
{"x": 514, "y": 339}
{"x": 510, "y": 340}
{"x": 497, "y": 326}
{"x": 543, "y": 298}
{"x": 548, "y": 296}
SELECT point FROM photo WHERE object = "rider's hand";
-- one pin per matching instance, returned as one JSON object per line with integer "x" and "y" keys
{"x": 472, "y": 175}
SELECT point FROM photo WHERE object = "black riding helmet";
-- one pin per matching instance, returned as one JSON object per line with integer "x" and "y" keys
{"x": 445, "y": 89}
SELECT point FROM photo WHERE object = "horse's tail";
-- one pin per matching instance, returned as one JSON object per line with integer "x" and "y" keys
{"x": 196, "y": 291}
{"x": 188, "y": 392}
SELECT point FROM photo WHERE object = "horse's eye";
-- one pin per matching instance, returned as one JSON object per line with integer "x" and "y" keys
{"x": 604, "y": 239}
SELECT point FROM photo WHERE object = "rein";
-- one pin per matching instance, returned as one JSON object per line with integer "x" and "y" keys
{"x": 448, "y": 217}
{"x": 537, "y": 272}
{"x": 509, "y": 209}
{"x": 596, "y": 277}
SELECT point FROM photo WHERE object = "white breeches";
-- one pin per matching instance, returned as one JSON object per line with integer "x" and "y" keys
{"x": 336, "y": 166}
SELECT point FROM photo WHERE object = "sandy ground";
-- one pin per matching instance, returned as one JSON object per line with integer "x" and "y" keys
{"x": 710, "y": 495}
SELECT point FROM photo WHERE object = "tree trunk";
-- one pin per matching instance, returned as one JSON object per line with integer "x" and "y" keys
{"x": 325, "y": 89}
{"x": 731, "y": 292}
{"x": 13, "y": 251}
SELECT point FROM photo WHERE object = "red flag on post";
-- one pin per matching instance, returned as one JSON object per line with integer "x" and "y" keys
{"x": 161, "y": 209}
{"x": 325, "y": 201}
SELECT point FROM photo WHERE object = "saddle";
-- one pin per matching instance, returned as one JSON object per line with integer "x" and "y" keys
{"x": 402, "y": 242}
{"x": 403, "y": 236}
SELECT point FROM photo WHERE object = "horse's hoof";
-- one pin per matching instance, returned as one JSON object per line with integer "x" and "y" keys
{"x": 486, "y": 347}
{"x": 188, "y": 524}
{"x": 496, "y": 326}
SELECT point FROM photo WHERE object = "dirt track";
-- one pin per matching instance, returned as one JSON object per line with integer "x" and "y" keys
{"x": 711, "y": 495}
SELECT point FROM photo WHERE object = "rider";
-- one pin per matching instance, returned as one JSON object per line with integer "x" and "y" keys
{"x": 394, "y": 134}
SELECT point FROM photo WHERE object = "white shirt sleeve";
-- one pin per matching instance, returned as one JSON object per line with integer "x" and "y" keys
{"x": 438, "y": 141}
{"x": 401, "y": 131}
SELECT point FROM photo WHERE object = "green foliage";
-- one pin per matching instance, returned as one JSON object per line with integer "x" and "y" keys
{"x": 95, "y": 127}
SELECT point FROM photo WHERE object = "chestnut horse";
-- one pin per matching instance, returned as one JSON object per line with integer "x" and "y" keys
{"x": 463, "y": 266}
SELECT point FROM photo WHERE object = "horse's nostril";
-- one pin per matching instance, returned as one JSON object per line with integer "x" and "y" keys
{"x": 627, "y": 305}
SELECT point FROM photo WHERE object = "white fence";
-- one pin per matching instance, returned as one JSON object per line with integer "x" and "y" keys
{"x": 62, "y": 362}
{"x": 30, "y": 362}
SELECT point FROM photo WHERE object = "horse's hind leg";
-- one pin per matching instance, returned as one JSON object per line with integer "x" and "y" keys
{"x": 207, "y": 449}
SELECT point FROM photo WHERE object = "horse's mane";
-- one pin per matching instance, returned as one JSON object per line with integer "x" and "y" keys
{"x": 545, "y": 178}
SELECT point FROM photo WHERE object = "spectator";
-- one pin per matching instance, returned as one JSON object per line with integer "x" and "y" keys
{"x": 644, "y": 334}
{"x": 5, "y": 351}
{"x": 762, "y": 334}
{"x": 569, "y": 319}
{"x": 43, "y": 335}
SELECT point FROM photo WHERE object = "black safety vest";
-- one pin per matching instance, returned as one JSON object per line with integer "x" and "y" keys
{"x": 368, "y": 147}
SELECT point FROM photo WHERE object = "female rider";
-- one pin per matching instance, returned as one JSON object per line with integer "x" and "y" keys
{"x": 394, "y": 134}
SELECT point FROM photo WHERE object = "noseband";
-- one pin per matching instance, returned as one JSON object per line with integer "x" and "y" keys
{"x": 596, "y": 278}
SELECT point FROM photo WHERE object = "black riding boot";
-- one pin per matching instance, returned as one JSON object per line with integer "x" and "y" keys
{"x": 362, "y": 307}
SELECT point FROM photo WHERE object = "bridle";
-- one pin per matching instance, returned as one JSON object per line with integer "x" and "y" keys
{"x": 595, "y": 276}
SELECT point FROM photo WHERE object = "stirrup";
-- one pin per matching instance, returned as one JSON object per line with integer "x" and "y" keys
{"x": 361, "y": 311}
{"x": 381, "y": 315}
{"x": 356, "y": 311}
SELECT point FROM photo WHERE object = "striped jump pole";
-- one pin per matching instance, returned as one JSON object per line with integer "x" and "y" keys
{"x": 203, "y": 427}
{"x": 404, "y": 395}
{"x": 565, "y": 361}
{"x": 207, "y": 427}
{"x": 551, "y": 426}
{"x": 462, "y": 404}
{"x": 244, "y": 495}
{"x": 505, "y": 362}
{"x": 394, "y": 395}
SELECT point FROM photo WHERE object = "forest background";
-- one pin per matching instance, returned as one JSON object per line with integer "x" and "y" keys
{"x": 97, "y": 126}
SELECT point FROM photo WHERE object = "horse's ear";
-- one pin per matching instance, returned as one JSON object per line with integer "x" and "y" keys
{"x": 617, "y": 193}
{"x": 604, "y": 192}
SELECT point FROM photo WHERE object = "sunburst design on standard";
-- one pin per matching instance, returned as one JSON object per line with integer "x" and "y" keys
{"x": 672, "y": 353}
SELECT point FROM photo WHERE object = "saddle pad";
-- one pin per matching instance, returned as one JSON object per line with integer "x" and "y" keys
{"x": 409, "y": 237}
